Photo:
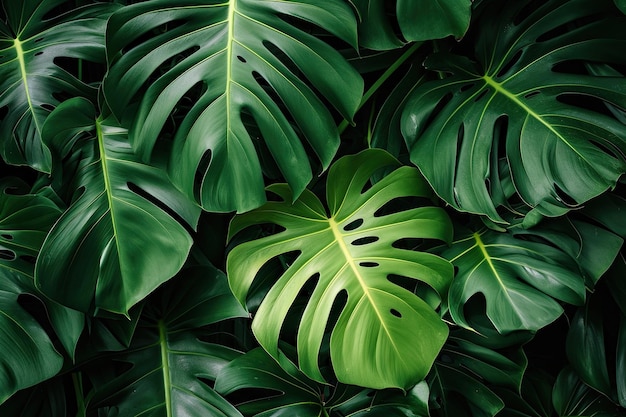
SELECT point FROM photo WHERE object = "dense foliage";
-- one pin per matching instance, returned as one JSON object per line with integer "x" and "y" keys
{"x": 312, "y": 208}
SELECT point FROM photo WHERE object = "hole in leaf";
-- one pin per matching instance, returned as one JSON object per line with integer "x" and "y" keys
{"x": 504, "y": 71}
{"x": 607, "y": 147}
{"x": 29, "y": 259}
{"x": 38, "y": 53}
{"x": 466, "y": 87}
{"x": 369, "y": 264}
{"x": 500, "y": 128}
{"x": 563, "y": 197}
{"x": 39, "y": 40}
{"x": 241, "y": 59}
{"x": 584, "y": 101}
{"x": 7, "y": 237}
{"x": 555, "y": 33}
{"x": 365, "y": 240}
{"x": 339, "y": 303}
{"x": 527, "y": 10}
{"x": 355, "y": 224}
{"x": 161, "y": 205}
{"x": 403, "y": 281}
{"x": 480, "y": 95}
{"x": 408, "y": 243}
{"x": 61, "y": 8}
{"x": 47, "y": 106}
{"x": 532, "y": 94}
{"x": 245, "y": 395}
{"x": 400, "y": 204}
{"x": 395, "y": 313}
{"x": 291, "y": 324}
{"x": 7, "y": 255}
{"x": 203, "y": 166}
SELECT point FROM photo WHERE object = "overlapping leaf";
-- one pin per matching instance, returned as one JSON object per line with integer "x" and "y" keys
{"x": 292, "y": 393}
{"x": 32, "y": 43}
{"x": 520, "y": 94}
{"x": 385, "y": 335}
{"x": 168, "y": 363}
{"x": 29, "y": 356}
{"x": 521, "y": 280}
{"x": 120, "y": 238}
{"x": 242, "y": 59}
{"x": 418, "y": 21}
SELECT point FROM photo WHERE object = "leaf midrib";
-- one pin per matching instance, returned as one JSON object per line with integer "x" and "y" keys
{"x": 108, "y": 188}
{"x": 24, "y": 76}
{"x": 499, "y": 88}
{"x": 350, "y": 261}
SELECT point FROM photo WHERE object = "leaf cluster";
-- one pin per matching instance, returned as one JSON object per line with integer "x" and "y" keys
{"x": 312, "y": 208}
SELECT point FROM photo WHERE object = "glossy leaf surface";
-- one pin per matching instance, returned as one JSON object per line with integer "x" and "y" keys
{"x": 118, "y": 241}
{"x": 418, "y": 21}
{"x": 520, "y": 280}
{"x": 352, "y": 253}
{"x": 32, "y": 42}
{"x": 29, "y": 356}
{"x": 245, "y": 58}
{"x": 164, "y": 372}
{"x": 516, "y": 106}
{"x": 282, "y": 390}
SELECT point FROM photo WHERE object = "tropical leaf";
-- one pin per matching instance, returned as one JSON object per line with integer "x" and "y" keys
{"x": 47, "y": 399}
{"x": 124, "y": 234}
{"x": 33, "y": 40}
{"x": 572, "y": 397}
{"x": 596, "y": 343}
{"x": 351, "y": 252}
{"x": 166, "y": 369}
{"x": 243, "y": 59}
{"x": 454, "y": 393}
{"x": 519, "y": 279}
{"x": 517, "y": 103}
{"x": 29, "y": 356}
{"x": 418, "y": 21}
{"x": 284, "y": 390}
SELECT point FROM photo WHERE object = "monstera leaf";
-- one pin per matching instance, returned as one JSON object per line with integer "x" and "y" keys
{"x": 521, "y": 280}
{"x": 385, "y": 336}
{"x": 292, "y": 393}
{"x": 29, "y": 356}
{"x": 418, "y": 21}
{"x": 124, "y": 233}
{"x": 520, "y": 96}
{"x": 242, "y": 61}
{"x": 33, "y": 41}
{"x": 166, "y": 368}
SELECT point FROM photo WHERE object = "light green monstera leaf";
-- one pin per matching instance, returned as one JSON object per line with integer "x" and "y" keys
{"x": 242, "y": 63}
{"x": 385, "y": 335}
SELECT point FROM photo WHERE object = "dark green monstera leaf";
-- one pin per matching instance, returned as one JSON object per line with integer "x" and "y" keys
{"x": 520, "y": 103}
{"x": 418, "y": 21}
{"x": 166, "y": 369}
{"x": 275, "y": 389}
{"x": 28, "y": 354}
{"x": 521, "y": 280}
{"x": 33, "y": 40}
{"x": 385, "y": 336}
{"x": 241, "y": 60}
{"x": 125, "y": 232}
